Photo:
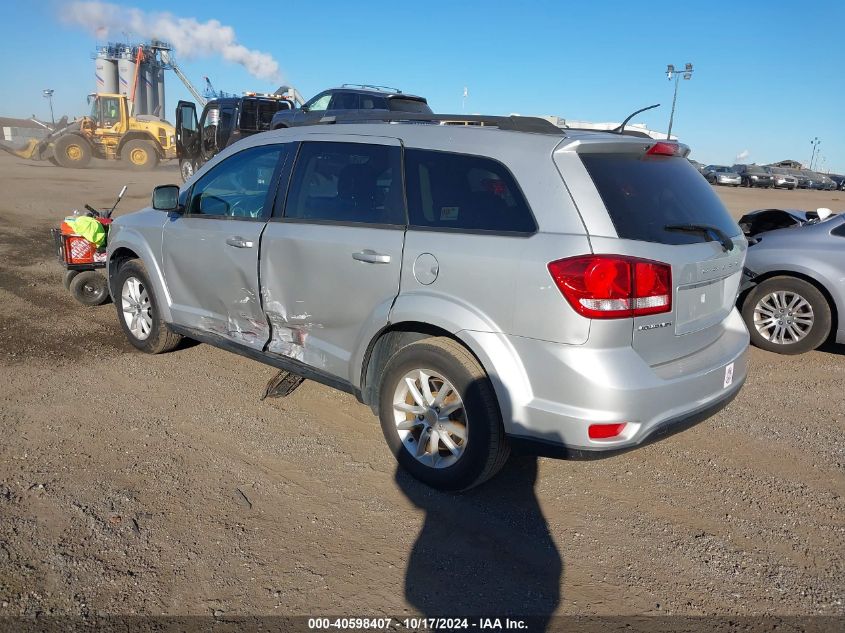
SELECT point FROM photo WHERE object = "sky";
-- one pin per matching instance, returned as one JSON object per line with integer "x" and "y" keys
{"x": 769, "y": 75}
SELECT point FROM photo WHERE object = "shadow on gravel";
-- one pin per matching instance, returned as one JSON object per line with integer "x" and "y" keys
{"x": 487, "y": 552}
{"x": 837, "y": 349}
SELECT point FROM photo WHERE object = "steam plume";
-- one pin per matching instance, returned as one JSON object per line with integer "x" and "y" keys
{"x": 189, "y": 37}
{"x": 744, "y": 154}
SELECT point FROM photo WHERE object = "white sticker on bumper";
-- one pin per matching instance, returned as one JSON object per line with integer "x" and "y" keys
{"x": 729, "y": 375}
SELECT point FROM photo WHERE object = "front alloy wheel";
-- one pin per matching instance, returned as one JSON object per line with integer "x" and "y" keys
{"x": 137, "y": 309}
{"x": 787, "y": 315}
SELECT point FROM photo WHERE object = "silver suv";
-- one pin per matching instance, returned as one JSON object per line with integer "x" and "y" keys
{"x": 481, "y": 287}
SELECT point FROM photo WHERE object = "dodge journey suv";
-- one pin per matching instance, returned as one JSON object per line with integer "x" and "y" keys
{"x": 480, "y": 287}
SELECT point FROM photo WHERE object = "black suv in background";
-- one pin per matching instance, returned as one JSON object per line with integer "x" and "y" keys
{"x": 223, "y": 121}
{"x": 754, "y": 176}
{"x": 350, "y": 97}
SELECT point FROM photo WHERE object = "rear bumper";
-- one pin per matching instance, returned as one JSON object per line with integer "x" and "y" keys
{"x": 573, "y": 387}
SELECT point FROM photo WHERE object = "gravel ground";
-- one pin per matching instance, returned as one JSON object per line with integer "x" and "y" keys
{"x": 132, "y": 484}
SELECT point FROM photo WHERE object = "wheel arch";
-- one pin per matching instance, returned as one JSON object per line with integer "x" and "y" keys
{"x": 125, "y": 250}
{"x": 494, "y": 354}
{"x": 769, "y": 274}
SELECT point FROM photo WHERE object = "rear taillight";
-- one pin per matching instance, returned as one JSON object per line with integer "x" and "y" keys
{"x": 614, "y": 286}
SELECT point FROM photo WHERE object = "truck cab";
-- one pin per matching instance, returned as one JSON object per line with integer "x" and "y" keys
{"x": 223, "y": 121}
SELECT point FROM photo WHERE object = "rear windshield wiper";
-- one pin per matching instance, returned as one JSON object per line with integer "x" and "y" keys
{"x": 704, "y": 229}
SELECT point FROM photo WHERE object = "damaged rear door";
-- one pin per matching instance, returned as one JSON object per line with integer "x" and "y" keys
{"x": 210, "y": 250}
{"x": 331, "y": 262}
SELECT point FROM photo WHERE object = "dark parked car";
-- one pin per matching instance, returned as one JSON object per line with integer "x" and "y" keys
{"x": 754, "y": 176}
{"x": 223, "y": 121}
{"x": 839, "y": 180}
{"x": 783, "y": 179}
{"x": 794, "y": 279}
{"x": 348, "y": 98}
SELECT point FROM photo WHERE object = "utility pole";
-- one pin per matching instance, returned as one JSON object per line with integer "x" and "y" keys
{"x": 671, "y": 72}
{"x": 48, "y": 94}
{"x": 815, "y": 142}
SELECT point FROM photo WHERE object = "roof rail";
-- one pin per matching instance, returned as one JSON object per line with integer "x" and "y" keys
{"x": 512, "y": 123}
{"x": 374, "y": 87}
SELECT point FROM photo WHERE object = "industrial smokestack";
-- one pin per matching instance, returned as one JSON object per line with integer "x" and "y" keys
{"x": 190, "y": 38}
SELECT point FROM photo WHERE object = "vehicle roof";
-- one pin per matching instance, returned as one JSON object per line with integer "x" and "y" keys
{"x": 381, "y": 92}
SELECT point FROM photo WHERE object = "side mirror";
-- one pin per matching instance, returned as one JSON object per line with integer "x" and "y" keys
{"x": 166, "y": 198}
{"x": 304, "y": 108}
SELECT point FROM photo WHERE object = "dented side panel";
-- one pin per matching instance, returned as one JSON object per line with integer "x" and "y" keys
{"x": 318, "y": 298}
{"x": 214, "y": 285}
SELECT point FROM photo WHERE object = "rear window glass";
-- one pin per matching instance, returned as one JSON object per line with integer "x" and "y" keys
{"x": 462, "y": 192}
{"x": 397, "y": 104}
{"x": 256, "y": 114}
{"x": 644, "y": 194}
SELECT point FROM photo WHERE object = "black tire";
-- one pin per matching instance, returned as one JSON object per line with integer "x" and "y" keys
{"x": 822, "y": 318}
{"x": 187, "y": 168}
{"x": 160, "y": 339}
{"x": 486, "y": 449}
{"x": 139, "y": 154}
{"x": 71, "y": 150}
{"x": 68, "y": 277}
{"x": 89, "y": 287}
{"x": 53, "y": 160}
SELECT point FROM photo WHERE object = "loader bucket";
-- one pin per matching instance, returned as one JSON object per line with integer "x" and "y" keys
{"x": 26, "y": 151}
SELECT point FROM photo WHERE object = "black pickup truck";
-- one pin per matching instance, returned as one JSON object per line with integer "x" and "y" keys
{"x": 224, "y": 121}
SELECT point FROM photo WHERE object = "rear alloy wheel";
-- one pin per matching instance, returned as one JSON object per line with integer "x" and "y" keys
{"x": 71, "y": 150}
{"x": 787, "y": 315}
{"x": 440, "y": 416}
{"x": 140, "y": 154}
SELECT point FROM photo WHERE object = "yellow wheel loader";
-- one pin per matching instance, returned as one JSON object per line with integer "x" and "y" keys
{"x": 110, "y": 132}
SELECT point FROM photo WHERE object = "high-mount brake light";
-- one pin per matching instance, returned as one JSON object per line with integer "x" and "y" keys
{"x": 614, "y": 286}
{"x": 664, "y": 149}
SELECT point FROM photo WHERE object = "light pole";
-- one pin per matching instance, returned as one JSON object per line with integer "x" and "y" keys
{"x": 815, "y": 143}
{"x": 670, "y": 72}
{"x": 48, "y": 94}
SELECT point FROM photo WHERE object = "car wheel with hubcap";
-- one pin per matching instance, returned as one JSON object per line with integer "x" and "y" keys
{"x": 440, "y": 416}
{"x": 186, "y": 169}
{"x": 787, "y": 315}
{"x": 137, "y": 310}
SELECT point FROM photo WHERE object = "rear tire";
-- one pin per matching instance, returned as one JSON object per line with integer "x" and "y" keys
{"x": 139, "y": 154}
{"x": 137, "y": 310}
{"x": 72, "y": 151}
{"x": 473, "y": 428}
{"x": 90, "y": 288}
{"x": 806, "y": 314}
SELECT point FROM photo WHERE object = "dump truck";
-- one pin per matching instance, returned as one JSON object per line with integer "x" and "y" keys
{"x": 110, "y": 132}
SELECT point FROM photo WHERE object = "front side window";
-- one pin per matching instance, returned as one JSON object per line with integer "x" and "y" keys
{"x": 238, "y": 186}
{"x": 462, "y": 192}
{"x": 344, "y": 101}
{"x": 319, "y": 104}
{"x": 111, "y": 111}
{"x": 347, "y": 182}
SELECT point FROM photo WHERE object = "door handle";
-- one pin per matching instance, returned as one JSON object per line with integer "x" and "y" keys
{"x": 239, "y": 242}
{"x": 371, "y": 257}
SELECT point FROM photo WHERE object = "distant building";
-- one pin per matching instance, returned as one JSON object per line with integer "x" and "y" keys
{"x": 17, "y": 131}
{"x": 793, "y": 164}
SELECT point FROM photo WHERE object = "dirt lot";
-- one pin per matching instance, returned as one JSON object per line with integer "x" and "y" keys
{"x": 132, "y": 484}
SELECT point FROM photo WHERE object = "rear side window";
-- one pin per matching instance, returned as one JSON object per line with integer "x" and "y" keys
{"x": 256, "y": 114}
{"x": 398, "y": 104}
{"x": 462, "y": 192}
{"x": 372, "y": 102}
{"x": 347, "y": 182}
{"x": 645, "y": 194}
